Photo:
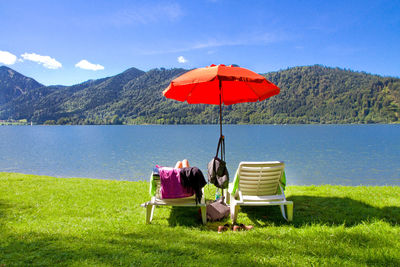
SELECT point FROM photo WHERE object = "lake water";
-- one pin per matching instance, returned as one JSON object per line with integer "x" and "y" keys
{"x": 314, "y": 154}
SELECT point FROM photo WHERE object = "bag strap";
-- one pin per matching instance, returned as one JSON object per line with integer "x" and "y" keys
{"x": 221, "y": 143}
{"x": 223, "y": 148}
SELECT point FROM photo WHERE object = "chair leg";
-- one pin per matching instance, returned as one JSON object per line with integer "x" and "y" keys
{"x": 283, "y": 211}
{"x": 227, "y": 196}
{"x": 149, "y": 213}
{"x": 289, "y": 207}
{"x": 234, "y": 212}
{"x": 152, "y": 212}
{"x": 203, "y": 214}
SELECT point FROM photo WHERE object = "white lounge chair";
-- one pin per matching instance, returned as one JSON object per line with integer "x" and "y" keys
{"x": 157, "y": 201}
{"x": 259, "y": 184}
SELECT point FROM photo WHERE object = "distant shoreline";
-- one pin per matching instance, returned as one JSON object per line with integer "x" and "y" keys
{"x": 150, "y": 124}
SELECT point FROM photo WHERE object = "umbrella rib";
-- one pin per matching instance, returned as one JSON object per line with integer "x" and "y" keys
{"x": 251, "y": 89}
{"x": 190, "y": 92}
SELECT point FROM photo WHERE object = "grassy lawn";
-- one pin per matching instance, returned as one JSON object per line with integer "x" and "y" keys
{"x": 48, "y": 221}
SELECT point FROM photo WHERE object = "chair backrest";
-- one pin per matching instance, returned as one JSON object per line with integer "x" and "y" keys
{"x": 260, "y": 178}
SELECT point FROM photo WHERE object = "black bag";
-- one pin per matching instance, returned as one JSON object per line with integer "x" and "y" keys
{"x": 217, "y": 172}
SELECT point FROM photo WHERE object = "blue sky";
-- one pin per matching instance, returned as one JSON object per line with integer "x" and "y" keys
{"x": 67, "y": 42}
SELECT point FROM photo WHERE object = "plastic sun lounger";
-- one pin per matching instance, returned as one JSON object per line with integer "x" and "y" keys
{"x": 157, "y": 201}
{"x": 259, "y": 184}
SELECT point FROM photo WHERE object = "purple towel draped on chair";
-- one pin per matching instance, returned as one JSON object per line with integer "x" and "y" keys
{"x": 171, "y": 186}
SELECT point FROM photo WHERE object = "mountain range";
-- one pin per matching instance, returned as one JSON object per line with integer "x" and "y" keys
{"x": 309, "y": 94}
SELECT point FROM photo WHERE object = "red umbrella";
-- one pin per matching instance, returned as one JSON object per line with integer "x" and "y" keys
{"x": 219, "y": 85}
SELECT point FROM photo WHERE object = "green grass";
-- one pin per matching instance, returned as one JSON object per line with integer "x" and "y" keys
{"x": 46, "y": 221}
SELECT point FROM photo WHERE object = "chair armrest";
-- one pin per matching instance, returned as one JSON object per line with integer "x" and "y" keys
{"x": 282, "y": 191}
{"x": 235, "y": 201}
{"x": 240, "y": 197}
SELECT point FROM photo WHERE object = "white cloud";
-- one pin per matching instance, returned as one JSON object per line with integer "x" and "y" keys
{"x": 7, "y": 58}
{"x": 181, "y": 59}
{"x": 47, "y": 61}
{"x": 86, "y": 65}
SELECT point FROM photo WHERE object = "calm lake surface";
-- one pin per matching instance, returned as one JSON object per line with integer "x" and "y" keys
{"x": 314, "y": 154}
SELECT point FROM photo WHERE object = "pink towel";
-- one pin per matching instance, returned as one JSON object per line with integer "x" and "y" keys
{"x": 171, "y": 186}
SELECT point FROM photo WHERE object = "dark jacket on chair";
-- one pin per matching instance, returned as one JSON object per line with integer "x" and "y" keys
{"x": 192, "y": 177}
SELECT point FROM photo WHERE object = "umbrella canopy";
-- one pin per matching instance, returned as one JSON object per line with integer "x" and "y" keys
{"x": 219, "y": 85}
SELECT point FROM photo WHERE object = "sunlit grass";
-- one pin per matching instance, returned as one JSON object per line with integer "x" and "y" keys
{"x": 79, "y": 222}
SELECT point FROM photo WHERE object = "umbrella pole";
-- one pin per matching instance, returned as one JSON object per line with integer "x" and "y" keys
{"x": 220, "y": 130}
{"x": 220, "y": 109}
{"x": 220, "y": 118}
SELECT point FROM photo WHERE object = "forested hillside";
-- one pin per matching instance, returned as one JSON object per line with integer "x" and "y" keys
{"x": 330, "y": 95}
{"x": 14, "y": 84}
{"x": 312, "y": 94}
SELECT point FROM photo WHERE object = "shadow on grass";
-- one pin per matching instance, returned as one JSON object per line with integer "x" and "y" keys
{"x": 184, "y": 216}
{"x": 158, "y": 246}
{"x": 307, "y": 210}
{"x": 323, "y": 210}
